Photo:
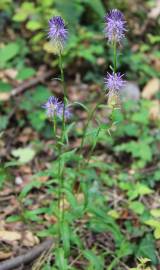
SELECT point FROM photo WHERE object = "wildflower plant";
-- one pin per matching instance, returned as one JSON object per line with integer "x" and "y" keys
{"x": 58, "y": 35}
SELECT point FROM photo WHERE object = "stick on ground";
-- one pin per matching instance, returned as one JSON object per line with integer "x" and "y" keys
{"x": 28, "y": 257}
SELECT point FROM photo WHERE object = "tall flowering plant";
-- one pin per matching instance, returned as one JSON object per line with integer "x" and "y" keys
{"x": 115, "y": 28}
{"x": 58, "y": 35}
{"x": 114, "y": 31}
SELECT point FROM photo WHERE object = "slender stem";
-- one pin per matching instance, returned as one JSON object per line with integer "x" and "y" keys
{"x": 59, "y": 194}
{"x": 115, "y": 56}
{"x": 93, "y": 146}
{"x": 62, "y": 78}
{"x": 90, "y": 117}
{"x": 55, "y": 125}
{"x": 64, "y": 94}
{"x": 86, "y": 126}
{"x": 61, "y": 141}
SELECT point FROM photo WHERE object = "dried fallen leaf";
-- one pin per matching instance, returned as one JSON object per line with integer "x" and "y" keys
{"x": 11, "y": 73}
{"x": 154, "y": 112}
{"x": 29, "y": 240}
{"x": 152, "y": 87}
{"x": 8, "y": 236}
{"x": 5, "y": 255}
{"x": 4, "y": 96}
{"x": 155, "y": 11}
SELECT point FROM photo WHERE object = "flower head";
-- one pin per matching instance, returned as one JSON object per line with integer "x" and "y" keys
{"x": 58, "y": 33}
{"x": 115, "y": 26}
{"x": 65, "y": 110}
{"x": 52, "y": 106}
{"x": 114, "y": 81}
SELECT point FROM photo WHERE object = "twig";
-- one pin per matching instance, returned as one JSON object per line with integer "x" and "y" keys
{"x": 28, "y": 84}
{"x": 27, "y": 257}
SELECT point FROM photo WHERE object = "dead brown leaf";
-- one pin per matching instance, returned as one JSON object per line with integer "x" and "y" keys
{"x": 151, "y": 88}
{"x": 5, "y": 255}
{"x": 155, "y": 11}
{"x": 4, "y": 96}
{"x": 29, "y": 240}
{"x": 154, "y": 112}
{"x": 11, "y": 73}
{"x": 9, "y": 236}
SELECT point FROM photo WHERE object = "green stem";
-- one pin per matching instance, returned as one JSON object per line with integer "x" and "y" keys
{"x": 86, "y": 126}
{"x": 55, "y": 125}
{"x": 93, "y": 146}
{"x": 62, "y": 78}
{"x": 90, "y": 117}
{"x": 61, "y": 141}
{"x": 115, "y": 56}
{"x": 59, "y": 194}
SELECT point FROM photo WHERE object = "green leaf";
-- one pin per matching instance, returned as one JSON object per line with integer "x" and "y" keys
{"x": 81, "y": 105}
{"x": 147, "y": 249}
{"x": 20, "y": 17}
{"x": 35, "y": 99}
{"x": 3, "y": 122}
{"x": 155, "y": 212}
{"x": 155, "y": 225}
{"x": 13, "y": 218}
{"x": 61, "y": 261}
{"x": 70, "y": 155}
{"x": 3, "y": 176}
{"x": 97, "y": 6}
{"x": 137, "y": 207}
{"x": 46, "y": 3}
{"x": 33, "y": 25}
{"x": 33, "y": 214}
{"x": 114, "y": 214}
{"x": 37, "y": 119}
{"x": 68, "y": 7}
{"x": 27, "y": 188}
{"x": 139, "y": 190}
{"x": 143, "y": 189}
{"x": 97, "y": 262}
{"x": 26, "y": 73}
{"x": 5, "y": 87}
{"x": 65, "y": 232}
{"x": 139, "y": 149}
{"x": 25, "y": 10}
{"x": 154, "y": 38}
{"x": 8, "y": 52}
{"x": 24, "y": 155}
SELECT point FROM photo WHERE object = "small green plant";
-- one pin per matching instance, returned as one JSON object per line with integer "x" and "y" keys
{"x": 142, "y": 264}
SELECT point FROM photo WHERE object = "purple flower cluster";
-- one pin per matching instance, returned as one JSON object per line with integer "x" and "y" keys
{"x": 114, "y": 81}
{"x": 58, "y": 33}
{"x": 115, "y": 26}
{"x": 54, "y": 107}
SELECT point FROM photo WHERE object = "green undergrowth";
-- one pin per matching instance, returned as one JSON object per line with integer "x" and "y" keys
{"x": 117, "y": 194}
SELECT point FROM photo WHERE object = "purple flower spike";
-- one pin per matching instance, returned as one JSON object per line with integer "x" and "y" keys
{"x": 67, "y": 112}
{"x": 115, "y": 26}
{"x": 52, "y": 106}
{"x": 58, "y": 33}
{"x": 114, "y": 81}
